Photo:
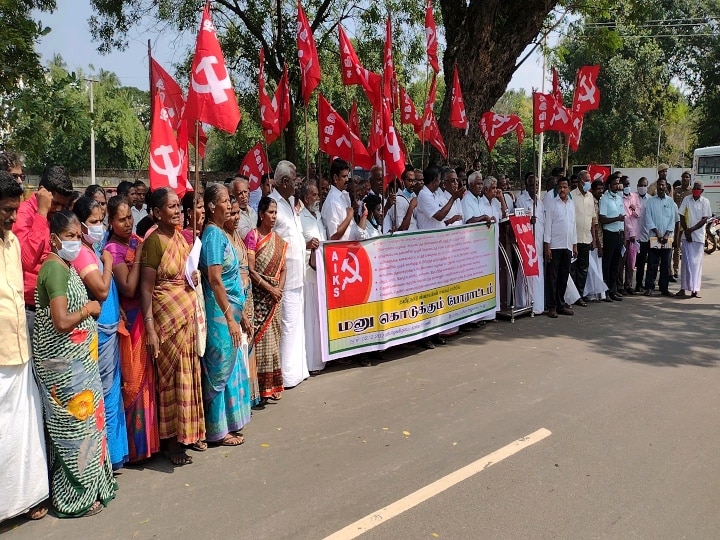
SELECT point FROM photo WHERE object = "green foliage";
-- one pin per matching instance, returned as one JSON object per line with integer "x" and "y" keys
{"x": 49, "y": 121}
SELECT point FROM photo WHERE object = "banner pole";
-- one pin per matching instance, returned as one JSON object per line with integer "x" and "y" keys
{"x": 352, "y": 148}
{"x": 307, "y": 146}
{"x": 197, "y": 175}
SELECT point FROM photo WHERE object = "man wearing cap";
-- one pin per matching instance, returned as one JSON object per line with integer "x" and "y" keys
{"x": 679, "y": 195}
{"x": 663, "y": 169}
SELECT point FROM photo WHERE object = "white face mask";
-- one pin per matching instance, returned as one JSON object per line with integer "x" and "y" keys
{"x": 642, "y": 190}
{"x": 70, "y": 250}
{"x": 95, "y": 233}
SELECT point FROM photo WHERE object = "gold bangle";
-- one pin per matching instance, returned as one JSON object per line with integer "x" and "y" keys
{"x": 82, "y": 313}
{"x": 226, "y": 309}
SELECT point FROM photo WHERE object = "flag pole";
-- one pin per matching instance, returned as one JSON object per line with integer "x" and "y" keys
{"x": 307, "y": 146}
{"x": 352, "y": 147}
{"x": 197, "y": 176}
{"x": 146, "y": 148}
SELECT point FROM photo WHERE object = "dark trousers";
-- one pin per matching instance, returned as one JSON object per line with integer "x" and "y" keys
{"x": 579, "y": 270}
{"x": 640, "y": 263}
{"x": 612, "y": 247}
{"x": 557, "y": 273}
{"x": 658, "y": 258}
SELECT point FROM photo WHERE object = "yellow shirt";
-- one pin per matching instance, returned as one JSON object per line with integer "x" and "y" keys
{"x": 584, "y": 215}
{"x": 13, "y": 332}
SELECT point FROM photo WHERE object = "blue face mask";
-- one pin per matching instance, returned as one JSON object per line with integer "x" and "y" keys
{"x": 626, "y": 191}
{"x": 407, "y": 192}
{"x": 586, "y": 186}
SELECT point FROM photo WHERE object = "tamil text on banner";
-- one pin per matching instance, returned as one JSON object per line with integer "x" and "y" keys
{"x": 525, "y": 238}
{"x": 381, "y": 292}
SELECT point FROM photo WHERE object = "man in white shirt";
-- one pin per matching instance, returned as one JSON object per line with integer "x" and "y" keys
{"x": 289, "y": 227}
{"x": 560, "y": 244}
{"x": 401, "y": 216}
{"x": 138, "y": 208}
{"x": 643, "y": 235}
{"x": 433, "y": 210}
{"x": 694, "y": 213}
{"x": 314, "y": 233}
{"x": 450, "y": 185}
{"x": 472, "y": 207}
{"x": 530, "y": 201}
{"x": 240, "y": 188}
{"x": 585, "y": 226}
{"x": 612, "y": 219}
{"x": 492, "y": 202}
{"x": 337, "y": 211}
{"x": 504, "y": 185}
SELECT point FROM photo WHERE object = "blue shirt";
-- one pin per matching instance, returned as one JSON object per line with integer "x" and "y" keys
{"x": 611, "y": 206}
{"x": 661, "y": 214}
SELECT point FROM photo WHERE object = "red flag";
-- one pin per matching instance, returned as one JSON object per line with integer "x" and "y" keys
{"x": 434, "y": 136}
{"x": 354, "y": 73}
{"x": 458, "y": 118}
{"x": 393, "y": 155}
{"x": 389, "y": 77}
{"x": 408, "y": 112}
{"x": 549, "y": 115}
{"x": 254, "y": 165}
{"x": 307, "y": 55}
{"x": 587, "y": 93}
{"x": 170, "y": 92}
{"x": 354, "y": 119}
{"x": 268, "y": 116}
{"x": 493, "y": 126}
{"x": 556, "y": 92}
{"x": 526, "y": 242}
{"x": 575, "y": 134}
{"x": 281, "y": 100}
{"x": 431, "y": 37}
{"x": 598, "y": 172}
{"x": 211, "y": 98}
{"x": 336, "y": 139}
{"x": 166, "y": 159}
{"x": 376, "y": 139}
{"x": 429, "y": 110}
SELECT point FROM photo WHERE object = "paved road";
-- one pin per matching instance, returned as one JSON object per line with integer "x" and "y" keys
{"x": 629, "y": 391}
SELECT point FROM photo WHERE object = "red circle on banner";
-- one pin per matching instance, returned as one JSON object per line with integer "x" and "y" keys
{"x": 348, "y": 275}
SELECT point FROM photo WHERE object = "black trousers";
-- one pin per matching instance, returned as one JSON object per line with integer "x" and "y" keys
{"x": 640, "y": 263}
{"x": 579, "y": 269}
{"x": 658, "y": 258}
{"x": 612, "y": 247}
{"x": 557, "y": 272}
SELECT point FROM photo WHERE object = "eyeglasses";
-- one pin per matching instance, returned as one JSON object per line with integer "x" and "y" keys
{"x": 18, "y": 176}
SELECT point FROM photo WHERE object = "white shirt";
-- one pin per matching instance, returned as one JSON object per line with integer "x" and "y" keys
{"x": 509, "y": 202}
{"x": 289, "y": 228}
{"x": 396, "y": 214}
{"x": 560, "y": 231}
{"x": 255, "y": 196}
{"x": 693, "y": 211}
{"x": 584, "y": 214}
{"x": 490, "y": 207}
{"x": 334, "y": 212}
{"x": 248, "y": 221}
{"x": 140, "y": 214}
{"x": 428, "y": 205}
{"x": 455, "y": 210}
{"x": 643, "y": 234}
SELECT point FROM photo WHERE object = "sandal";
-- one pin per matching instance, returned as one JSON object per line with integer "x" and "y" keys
{"x": 95, "y": 509}
{"x": 179, "y": 458}
{"x": 37, "y": 512}
{"x": 277, "y": 396}
{"x": 232, "y": 440}
{"x": 198, "y": 446}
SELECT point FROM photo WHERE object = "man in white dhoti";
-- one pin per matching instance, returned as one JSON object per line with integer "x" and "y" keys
{"x": 694, "y": 213}
{"x": 530, "y": 201}
{"x": 314, "y": 233}
{"x": 23, "y": 461}
{"x": 292, "y": 323}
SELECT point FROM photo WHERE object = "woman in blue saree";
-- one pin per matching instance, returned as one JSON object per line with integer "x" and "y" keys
{"x": 96, "y": 275}
{"x": 225, "y": 384}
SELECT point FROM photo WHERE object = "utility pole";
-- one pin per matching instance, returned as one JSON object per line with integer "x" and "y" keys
{"x": 92, "y": 132}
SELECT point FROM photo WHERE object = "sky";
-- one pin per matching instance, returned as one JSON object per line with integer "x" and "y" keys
{"x": 70, "y": 37}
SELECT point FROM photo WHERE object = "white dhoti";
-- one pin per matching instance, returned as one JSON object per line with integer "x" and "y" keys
{"x": 595, "y": 285}
{"x": 23, "y": 462}
{"x": 535, "y": 285}
{"x": 691, "y": 269}
{"x": 313, "y": 352}
{"x": 571, "y": 293}
{"x": 292, "y": 338}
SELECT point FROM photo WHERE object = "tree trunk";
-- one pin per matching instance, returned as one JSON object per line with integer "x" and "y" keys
{"x": 485, "y": 39}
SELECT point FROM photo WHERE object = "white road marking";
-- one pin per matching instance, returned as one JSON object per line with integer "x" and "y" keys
{"x": 423, "y": 494}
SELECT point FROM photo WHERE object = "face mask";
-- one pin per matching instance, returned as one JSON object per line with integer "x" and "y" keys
{"x": 586, "y": 186}
{"x": 626, "y": 190}
{"x": 95, "y": 233}
{"x": 407, "y": 193}
{"x": 696, "y": 193}
{"x": 70, "y": 250}
{"x": 642, "y": 190}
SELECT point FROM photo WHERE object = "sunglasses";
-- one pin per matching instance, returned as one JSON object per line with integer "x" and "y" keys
{"x": 19, "y": 176}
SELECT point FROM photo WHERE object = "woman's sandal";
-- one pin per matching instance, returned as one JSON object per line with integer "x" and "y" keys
{"x": 277, "y": 396}
{"x": 95, "y": 509}
{"x": 199, "y": 446}
{"x": 179, "y": 458}
{"x": 232, "y": 439}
